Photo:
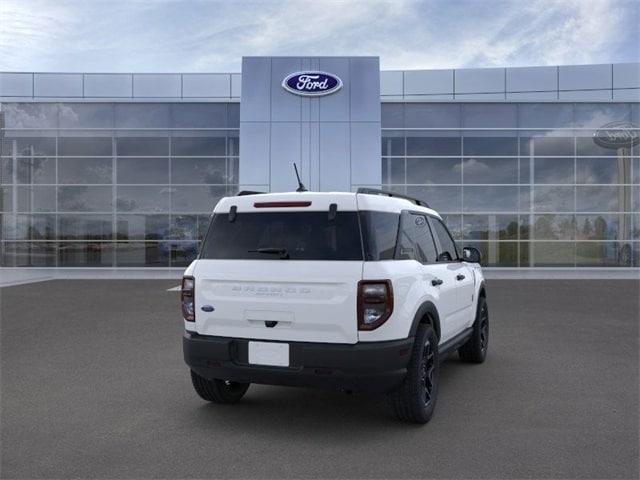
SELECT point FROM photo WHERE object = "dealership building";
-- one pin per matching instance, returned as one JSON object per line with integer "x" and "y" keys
{"x": 537, "y": 167}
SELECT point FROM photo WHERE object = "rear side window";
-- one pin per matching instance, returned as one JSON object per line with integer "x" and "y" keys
{"x": 415, "y": 241}
{"x": 379, "y": 234}
{"x": 447, "y": 248}
{"x": 284, "y": 235}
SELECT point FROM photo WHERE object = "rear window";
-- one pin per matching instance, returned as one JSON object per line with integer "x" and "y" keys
{"x": 284, "y": 235}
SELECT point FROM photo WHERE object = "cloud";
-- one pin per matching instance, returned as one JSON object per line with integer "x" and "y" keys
{"x": 200, "y": 35}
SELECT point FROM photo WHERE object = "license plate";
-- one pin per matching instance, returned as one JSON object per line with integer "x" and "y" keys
{"x": 269, "y": 353}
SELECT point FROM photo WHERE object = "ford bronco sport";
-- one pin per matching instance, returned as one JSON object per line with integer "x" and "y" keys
{"x": 361, "y": 291}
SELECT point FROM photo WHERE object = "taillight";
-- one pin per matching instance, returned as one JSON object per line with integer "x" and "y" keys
{"x": 375, "y": 303}
{"x": 188, "y": 298}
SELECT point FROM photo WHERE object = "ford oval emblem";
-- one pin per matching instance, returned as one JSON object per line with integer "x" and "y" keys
{"x": 617, "y": 135}
{"x": 312, "y": 84}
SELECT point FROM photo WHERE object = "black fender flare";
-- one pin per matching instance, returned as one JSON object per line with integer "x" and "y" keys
{"x": 482, "y": 290}
{"x": 427, "y": 308}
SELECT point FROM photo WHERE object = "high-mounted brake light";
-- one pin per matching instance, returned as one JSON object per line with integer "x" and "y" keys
{"x": 188, "y": 297}
{"x": 281, "y": 204}
{"x": 375, "y": 303}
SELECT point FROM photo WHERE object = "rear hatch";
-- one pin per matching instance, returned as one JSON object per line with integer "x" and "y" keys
{"x": 281, "y": 267}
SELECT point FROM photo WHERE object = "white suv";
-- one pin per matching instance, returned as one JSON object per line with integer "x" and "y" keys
{"x": 361, "y": 291}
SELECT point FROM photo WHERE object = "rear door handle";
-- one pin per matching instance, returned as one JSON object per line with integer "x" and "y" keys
{"x": 435, "y": 282}
{"x": 460, "y": 277}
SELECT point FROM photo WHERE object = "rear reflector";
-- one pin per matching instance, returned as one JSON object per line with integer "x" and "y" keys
{"x": 280, "y": 204}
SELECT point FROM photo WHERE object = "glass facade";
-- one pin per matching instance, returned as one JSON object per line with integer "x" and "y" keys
{"x": 133, "y": 184}
{"x": 113, "y": 184}
{"x": 524, "y": 182}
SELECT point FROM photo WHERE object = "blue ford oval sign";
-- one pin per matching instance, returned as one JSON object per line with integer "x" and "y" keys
{"x": 312, "y": 84}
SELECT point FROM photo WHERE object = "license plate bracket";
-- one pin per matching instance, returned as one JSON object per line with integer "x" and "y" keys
{"x": 274, "y": 354}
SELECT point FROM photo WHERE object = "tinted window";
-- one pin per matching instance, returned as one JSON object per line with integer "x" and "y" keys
{"x": 302, "y": 235}
{"x": 416, "y": 242}
{"x": 447, "y": 245}
{"x": 379, "y": 232}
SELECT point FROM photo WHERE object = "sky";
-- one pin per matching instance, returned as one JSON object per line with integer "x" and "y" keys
{"x": 212, "y": 36}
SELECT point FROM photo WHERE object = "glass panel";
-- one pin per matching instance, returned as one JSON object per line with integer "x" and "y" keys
{"x": 184, "y": 227}
{"x": 29, "y": 227}
{"x": 553, "y": 254}
{"x": 30, "y": 115}
{"x": 85, "y": 227}
{"x": 85, "y": 170}
{"x": 6, "y": 170}
{"x": 604, "y": 227}
{"x": 525, "y": 170}
{"x": 545, "y": 115}
{"x": 85, "y": 146}
{"x": 203, "y": 225}
{"x": 183, "y": 253}
{"x": 233, "y": 143}
{"x": 603, "y": 254}
{"x": 553, "y": 170}
{"x": 86, "y": 115}
{"x": 143, "y": 199}
{"x": 199, "y": 115}
{"x": 6, "y": 199}
{"x": 489, "y": 146}
{"x": 199, "y": 170}
{"x": 143, "y": 170}
{"x": 142, "y": 146}
{"x": 490, "y": 199}
{"x": 143, "y": 254}
{"x": 490, "y": 170}
{"x": 598, "y": 114}
{"x": 553, "y": 199}
{"x": 434, "y": 170}
{"x": 392, "y": 143}
{"x": 554, "y": 227}
{"x": 485, "y": 115}
{"x": 454, "y": 224}
{"x": 497, "y": 254}
{"x": 587, "y": 146}
{"x": 603, "y": 170}
{"x": 636, "y": 170}
{"x": 432, "y": 146}
{"x": 635, "y": 231}
{"x": 36, "y": 170}
{"x": 29, "y": 146}
{"x": 442, "y": 199}
{"x": 603, "y": 198}
{"x": 36, "y": 199}
{"x": 196, "y": 199}
{"x": 85, "y": 199}
{"x": 143, "y": 227}
{"x": 233, "y": 172}
{"x": 198, "y": 146}
{"x": 546, "y": 146}
{"x": 490, "y": 227}
{"x": 525, "y": 227}
{"x": 430, "y": 115}
{"x": 233, "y": 115}
{"x": 85, "y": 254}
{"x": 142, "y": 115}
{"x": 37, "y": 254}
{"x": 393, "y": 171}
{"x": 392, "y": 115}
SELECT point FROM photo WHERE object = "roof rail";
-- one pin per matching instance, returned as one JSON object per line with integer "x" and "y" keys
{"x": 375, "y": 191}
{"x": 242, "y": 193}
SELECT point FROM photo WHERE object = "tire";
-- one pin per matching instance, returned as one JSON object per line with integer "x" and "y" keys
{"x": 415, "y": 399}
{"x": 218, "y": 391}
{"x": 475, "y": 349}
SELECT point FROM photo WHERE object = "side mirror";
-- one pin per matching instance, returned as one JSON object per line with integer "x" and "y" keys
{"x": 471, "y": 255}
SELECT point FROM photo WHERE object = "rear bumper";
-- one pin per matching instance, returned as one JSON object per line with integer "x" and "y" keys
{"x": 370, "y": 367}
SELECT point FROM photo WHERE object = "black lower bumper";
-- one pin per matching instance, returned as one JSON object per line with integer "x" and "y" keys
{"x": 371, "y": 367}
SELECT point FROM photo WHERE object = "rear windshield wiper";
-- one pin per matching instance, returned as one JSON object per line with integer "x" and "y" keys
{"x": 284, "y": 254}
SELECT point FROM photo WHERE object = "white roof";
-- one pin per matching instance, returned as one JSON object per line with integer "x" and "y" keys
{"x": 318, "y": 201}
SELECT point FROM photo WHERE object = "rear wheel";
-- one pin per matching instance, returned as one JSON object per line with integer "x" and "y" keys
{"x": 475, "y": 350}
{"x": 415, "y": 399}
{"x": 218, "y": 391}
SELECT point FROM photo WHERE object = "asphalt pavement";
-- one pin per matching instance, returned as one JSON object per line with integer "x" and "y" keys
{"x": 93, "y": 385}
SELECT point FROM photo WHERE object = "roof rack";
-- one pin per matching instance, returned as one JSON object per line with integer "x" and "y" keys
{"x": 242, "y": 193}
{"x": 375, "y": 191}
